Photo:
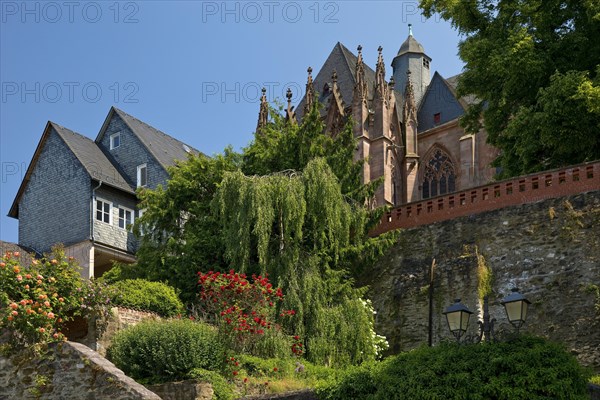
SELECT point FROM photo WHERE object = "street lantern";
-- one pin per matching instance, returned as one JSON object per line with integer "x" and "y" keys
{"x": 457, "y": 316}
{"x": 516, "y": 308}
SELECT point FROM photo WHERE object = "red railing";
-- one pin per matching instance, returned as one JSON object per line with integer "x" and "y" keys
{"x": 524, "y": 189}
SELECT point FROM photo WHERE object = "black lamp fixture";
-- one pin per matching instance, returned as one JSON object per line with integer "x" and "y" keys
{"x": 457, "y": 316}
{"x": 516, "y": 305}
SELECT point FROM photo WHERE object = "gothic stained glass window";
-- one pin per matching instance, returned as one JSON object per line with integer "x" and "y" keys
{"x": 439, "y": 176}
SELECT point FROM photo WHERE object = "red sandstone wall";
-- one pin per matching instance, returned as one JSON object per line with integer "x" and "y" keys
{"x": 526, "y": 189}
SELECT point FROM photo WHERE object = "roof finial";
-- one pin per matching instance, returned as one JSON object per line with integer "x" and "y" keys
{"x": 410, "y": 30}
{"x": 290, "y": 115}
{"x": 334, "y": 75}
{"x": 359, "y": 48}
{"x": 263, "y": 113}
{"x": 310, "y": 92}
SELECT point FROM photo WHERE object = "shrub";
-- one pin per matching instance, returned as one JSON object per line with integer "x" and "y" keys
{"x": 160, "y": 351}
{"x": 245, "y": 312}
{"x": 525, "y": 368}
{"x": 149, "y": 296}
{"x": 267, "y": 368}
{"x": 222, "y": 389}
{"x": 36, "y": 301}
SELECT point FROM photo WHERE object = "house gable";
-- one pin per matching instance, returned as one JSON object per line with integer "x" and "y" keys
{"x": 130, "y": 153}
{"x": 54, "y": 196}
{"x": 439, "y": 105}
{"x": 140, "y": 144}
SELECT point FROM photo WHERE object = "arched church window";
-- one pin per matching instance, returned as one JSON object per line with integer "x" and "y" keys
{"x": 439, "y": 176}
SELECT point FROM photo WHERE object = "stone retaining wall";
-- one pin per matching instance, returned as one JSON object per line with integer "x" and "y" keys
{"x": 185, "y": 390}
{"x": 100, "y": 333}
{"x": 549, "y": 249}
{"x": 67, "y": 371}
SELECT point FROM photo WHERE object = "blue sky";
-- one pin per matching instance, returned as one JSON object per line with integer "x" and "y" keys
{"x": 192, "y": 69}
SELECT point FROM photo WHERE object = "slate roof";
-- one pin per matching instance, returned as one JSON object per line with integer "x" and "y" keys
{"x": 453, "y": 84}
{"x": 410, "y": 45}
{"x": 92, "y": 158}
{"x": 344, "y": 62}
{"x": 166, "y": 149}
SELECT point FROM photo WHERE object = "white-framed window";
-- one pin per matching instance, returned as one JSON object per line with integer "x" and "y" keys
{"x": 142, "y": 175}
{"x": 103, "y": 211}
{"x": 125, "y": 218}
{"x": 115, "y": 140}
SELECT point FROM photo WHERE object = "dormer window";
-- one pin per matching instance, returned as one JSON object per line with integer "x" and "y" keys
{"x": 115, "y": 140}
{"x": 437, "y": 118}
{"x": 426, "y": 63}
{"x": 142, "y": 175}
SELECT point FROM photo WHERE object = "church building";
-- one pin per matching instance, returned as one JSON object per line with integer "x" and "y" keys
{"x": 407, "y": 127}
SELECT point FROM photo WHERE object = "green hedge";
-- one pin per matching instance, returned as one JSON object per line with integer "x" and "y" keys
{"x": 149, "y": 296}
{"x": 160, "y": 351}
{"x": 526, "y": 368}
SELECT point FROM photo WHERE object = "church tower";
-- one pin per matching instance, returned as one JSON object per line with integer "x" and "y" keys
{"x": 411, "y": 56}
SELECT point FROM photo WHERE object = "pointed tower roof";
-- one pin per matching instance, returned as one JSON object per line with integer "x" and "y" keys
{"x": 410, "y": 45}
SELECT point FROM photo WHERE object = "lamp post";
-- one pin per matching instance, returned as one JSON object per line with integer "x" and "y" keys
{"x": 457, "y": 316}
{"x": 516, "y": 305}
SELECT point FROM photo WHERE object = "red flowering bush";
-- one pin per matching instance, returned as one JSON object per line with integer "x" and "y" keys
{"x": 36, "y": 301}
{"x": 244, "y": 310}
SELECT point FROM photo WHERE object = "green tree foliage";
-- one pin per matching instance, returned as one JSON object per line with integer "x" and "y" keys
{"x": 526, "y": 368}
{"x": 291, "y": 206}
{"x": 534, "y": 65}
{"x": 296, "y": 228}
{"x": 179, "y": 234}
{"x": 282, "y": 146}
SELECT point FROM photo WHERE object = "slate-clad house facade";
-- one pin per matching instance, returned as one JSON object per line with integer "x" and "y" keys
{"x": 82, "y": 192}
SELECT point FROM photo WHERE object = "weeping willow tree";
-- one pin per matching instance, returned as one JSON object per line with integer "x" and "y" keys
{"x": 299, "y": 229}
